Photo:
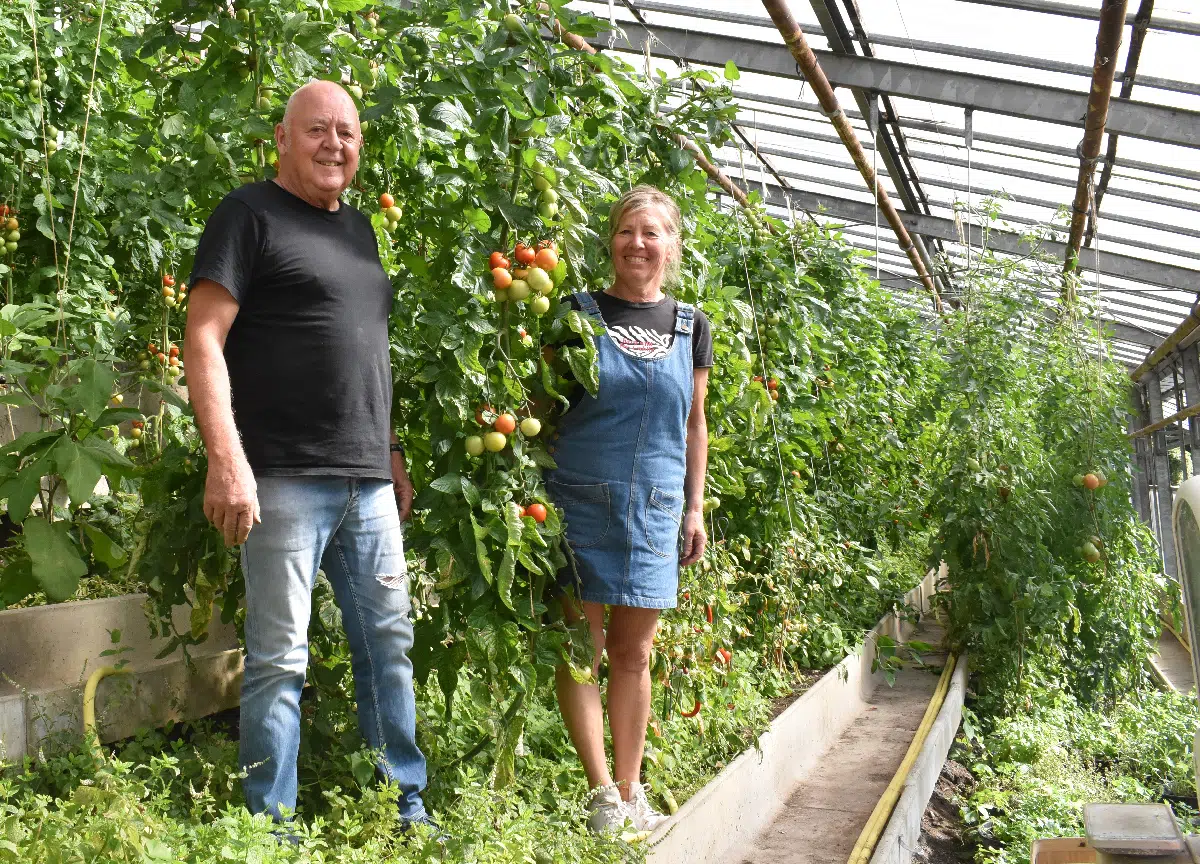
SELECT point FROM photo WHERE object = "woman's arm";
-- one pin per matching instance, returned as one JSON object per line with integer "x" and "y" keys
{"x": 694, "y": 535}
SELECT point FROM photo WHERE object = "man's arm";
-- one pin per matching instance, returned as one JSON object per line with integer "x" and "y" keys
{"x": 694, "y": 535}
{"x": 230, "y": 493}
{"x": 400, "y": 483}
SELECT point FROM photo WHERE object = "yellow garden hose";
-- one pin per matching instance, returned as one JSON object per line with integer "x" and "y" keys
{"x": 867, "y": 840}
{"x": 89, "y": 697}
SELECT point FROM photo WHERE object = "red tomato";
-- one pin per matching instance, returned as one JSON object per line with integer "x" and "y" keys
{"x": 501, "y": 278}
{"x": 547, "y": 244}
{"x": 546, "y": 258}
{"x": 386, "y": 201}
{"x": 168, "y": 280}
{"x": 524, "y": 254}
{"x": 505, "y": 424}
{"x": 486, "y": 415}
{"x": 497, "y": 259}
{"x": 174, "y": 352}
{"x": 522, "y": 512}
{"x": 538, "y": 511}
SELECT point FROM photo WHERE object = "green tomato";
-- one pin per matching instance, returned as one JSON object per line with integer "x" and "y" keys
{"x": 973, "y": 464}
{"x": 539, "y": 280}
{"x": 519, "y": 289}
{"x": 494, "y": 442}
{"x": 474, "y": 445}
{"x": 51, "y": 147}
{"x": 390, "y": 227}
{"x": 711, "y": 503}
{"x": 355, "y": 91}
{"x": 540, "y": 305}
{"x": 548, "y": 196}
{"x": 13, "y": 236}
{"x": 542, "y": 183}
{"x": 393, "y": 213}
{"x": 514, "y": 24}
{"x": 530, "y": 427}
{"x": 364, "y": 126}
{"x": 243, "y": 15}
{"x": 10, "y": 246}
{"x": 262, "y": 103}
{"x": 547, "y": 210}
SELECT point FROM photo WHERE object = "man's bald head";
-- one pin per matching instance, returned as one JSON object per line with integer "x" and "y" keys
{"x": 318, "y": 143}
{"x": 319, "y": 90}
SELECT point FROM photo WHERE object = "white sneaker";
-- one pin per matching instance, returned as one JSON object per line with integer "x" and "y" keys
{"x": 606, "y": 810}
{"x": 643, "y": 816}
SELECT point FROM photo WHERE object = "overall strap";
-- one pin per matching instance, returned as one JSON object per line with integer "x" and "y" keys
{"x": 684, "y": 313}
{"x": 587, "y": 304}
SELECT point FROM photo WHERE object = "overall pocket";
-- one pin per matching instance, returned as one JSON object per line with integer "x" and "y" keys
{"x": 663, "y": 512}
{"x": 586, "y": 510}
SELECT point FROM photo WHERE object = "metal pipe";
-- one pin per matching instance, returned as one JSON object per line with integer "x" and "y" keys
{"x": 815, "y": 76}
{"x": 1108, "y": 43}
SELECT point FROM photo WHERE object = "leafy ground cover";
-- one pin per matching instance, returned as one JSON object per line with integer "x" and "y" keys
{"x": 1034, "y": 772}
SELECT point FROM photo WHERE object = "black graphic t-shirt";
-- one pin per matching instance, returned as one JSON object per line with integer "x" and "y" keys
{"x": 647, "y": 330}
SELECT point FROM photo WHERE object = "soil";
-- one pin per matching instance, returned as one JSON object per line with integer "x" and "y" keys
{"x": 941, "y": 828}
{"x": 805, "y": 679}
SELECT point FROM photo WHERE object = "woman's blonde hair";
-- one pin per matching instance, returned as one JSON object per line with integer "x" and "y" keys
{"x": 645, "y": 198}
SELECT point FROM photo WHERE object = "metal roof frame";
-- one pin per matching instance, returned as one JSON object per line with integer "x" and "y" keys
{"x": 1144, "y": 295}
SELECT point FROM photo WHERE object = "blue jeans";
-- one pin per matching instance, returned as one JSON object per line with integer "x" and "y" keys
{"x": 350, "y": 529}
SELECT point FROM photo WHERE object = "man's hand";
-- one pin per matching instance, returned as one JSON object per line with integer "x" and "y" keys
{"x": 402, "y": 486}
{"x": 231, "y": 499}
{"x": 695, "y": 538}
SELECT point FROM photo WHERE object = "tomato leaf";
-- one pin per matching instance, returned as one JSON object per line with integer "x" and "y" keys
{"x": 80, "y": 469}
{"x": 57, "y": 565}
{"x": 481, "y": 553}
{"x": 105, "y": 549}
{"x": 505, "y": 576}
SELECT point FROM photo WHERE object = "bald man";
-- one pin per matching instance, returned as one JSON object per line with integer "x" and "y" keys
{"x": 290, "y": 378}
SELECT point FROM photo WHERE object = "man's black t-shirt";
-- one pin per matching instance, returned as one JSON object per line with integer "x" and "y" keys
{"x": 647, "y": 330}
{"x": 308, "y": 352}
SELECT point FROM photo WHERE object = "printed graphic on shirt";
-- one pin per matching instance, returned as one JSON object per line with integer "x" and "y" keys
{"x": 640, "y": 342}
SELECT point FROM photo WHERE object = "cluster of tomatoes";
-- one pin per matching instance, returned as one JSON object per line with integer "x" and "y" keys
{"x": 391, "y": 212}
{"x": 169, "y": 359}
{"x": 12, "y": 229}
{"x": 136, "y": 433}
{"x": 531, "y": 279}
{"x": 171, "y": 296}
{"x": 772, "y": 387}
{"x": 502, "y": 425}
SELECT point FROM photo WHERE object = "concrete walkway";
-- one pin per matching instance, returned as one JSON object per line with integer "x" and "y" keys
{"x": 825, "y": 814}
{"x": 1174, "y": 661}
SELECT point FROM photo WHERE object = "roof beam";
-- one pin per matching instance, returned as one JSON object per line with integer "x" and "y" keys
{"x": 1025, "y": 61}
{"x": 1071, "y": 10}
{"x": 997, "y": 95}
{"x": 1119, "y": 266}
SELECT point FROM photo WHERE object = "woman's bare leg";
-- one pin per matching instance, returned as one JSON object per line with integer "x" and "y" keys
{"x": 580, "y": 704}
{"x": 629, "y": 640}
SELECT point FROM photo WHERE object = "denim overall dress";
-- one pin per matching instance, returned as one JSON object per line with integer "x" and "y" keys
{"x": 621, "y": 463}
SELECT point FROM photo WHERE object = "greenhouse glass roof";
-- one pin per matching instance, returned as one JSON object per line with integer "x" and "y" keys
{"x": 1008, "y": 77}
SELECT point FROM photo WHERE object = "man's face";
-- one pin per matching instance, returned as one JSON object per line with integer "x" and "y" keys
{"x": 318, "y": 146}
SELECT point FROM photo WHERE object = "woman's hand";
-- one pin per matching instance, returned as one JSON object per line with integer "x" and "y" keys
{"x": 695, "y": 538}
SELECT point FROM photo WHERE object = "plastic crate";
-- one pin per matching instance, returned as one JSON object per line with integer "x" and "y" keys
{"x": 1064, "y": 850}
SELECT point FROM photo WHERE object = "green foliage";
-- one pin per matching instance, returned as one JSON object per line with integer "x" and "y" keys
{"x": 1036, "y": 770}
{"x": 1023, "y": 407}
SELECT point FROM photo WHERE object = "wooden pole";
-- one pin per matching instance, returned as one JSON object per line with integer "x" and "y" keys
{"x": 1104, "y": 70}
{"x": 815, "y": 76}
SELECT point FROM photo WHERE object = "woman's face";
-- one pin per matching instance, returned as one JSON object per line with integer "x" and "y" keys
{"x": 642, "y": 247}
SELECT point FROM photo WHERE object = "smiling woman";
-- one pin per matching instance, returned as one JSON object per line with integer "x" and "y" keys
{"x": 630, "y": 473}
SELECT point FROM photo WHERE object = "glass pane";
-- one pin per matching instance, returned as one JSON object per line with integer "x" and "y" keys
{"x": 1187, "y": 533}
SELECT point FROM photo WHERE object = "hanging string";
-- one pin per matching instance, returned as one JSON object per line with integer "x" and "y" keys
{"x": 874, "y": 122}
{"x": 969, "y": 132}
{"x": 87, "y": 115}
{"x": 612, "y": 24}
{"x": 762, "y": 359}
